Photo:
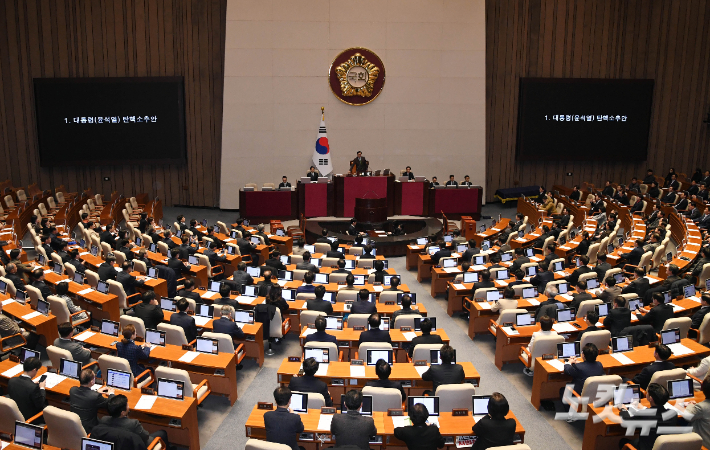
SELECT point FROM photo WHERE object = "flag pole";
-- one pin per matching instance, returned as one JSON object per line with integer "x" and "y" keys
{"x": 322, "y": 112}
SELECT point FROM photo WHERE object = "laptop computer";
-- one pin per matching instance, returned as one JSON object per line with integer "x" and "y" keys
{"x": 78, "y": 278}
{"x": 670, "y": 336}
{"x": 69, "y": 368}
{"x": 118, "y": 379}
{"x": 532, "y": 271}
{"x": 43, "y": 307}
{"x": 250, "y": 291}
{"x": 524, "y": 319}
{"x": 418, "y": 323}
{"x": 567, "y": 349}
{"x": 386, "y": 280}
{"x": 480, "y": 406}
{"x": 470, "y": 277}
{"x": 430, "y": 403}
{"x": 530, "y": 292}
{"x": 167, "y": 304}
{"x": 288, "y": 294}
{"x": 603, "y": 309}
{"x": 333, "y": 323}
{"x": 286, "y": 275}
{"x": 433, "y": 249}
{"x": 422, "y": 241}
{"x": 374, "y": 355}
{"x": 204, "y": 310}
{"x": 95, "y": 444}
{"x": 592, "y": 283}
{"x": 492, "y": 296}
{"x": 479, "y": 260}
{"x": 20, "y": 296}
{"x": 102, "y": 286}
{"x": 507, "y": 256}
{"x": 359, "y": 280}
{"x": 435, "y": 357}
{"x": 243, "y": 316}
{"x": 562, "y": 288}
{"x": 171, "y": 389}
{"x": 309, "y": 248}
{"x": 412, "y": 297}
{"x": 320, "y": 354}
{"x": 299, "y": 402}
{"x": 214, "y": 286}
{"x": 622, "y": 344}
{"x": 463, "y": 247}
{"x": 155, "y": 337}
{"x": 626, "y": 394}
{"x": 689, "y": 291}
{"x": 28, "y": 435}
{"x": 349, "y": 263}
{"x": 565, "y": 315}
{"x": 320, "y": 278}
{"x": 365, "y": 406}
{"x": 680, "y": 388}
{"x": 205, "y": 345}
{"x": 384, "y": 324}
{"x": 193, "y": 261}
{"x": 152, "y": 273}
{"x": 27, "y": 353}
{"x": 109, "y": 327}
{"x": 254, "y": 271}
{"x": 449, "y": 262}
{"x": 502, "y": 274}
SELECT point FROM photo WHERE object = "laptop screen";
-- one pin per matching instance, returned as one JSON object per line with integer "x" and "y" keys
{"x": 622, "y": 343}
{"x": 418, "y": 321}
{"x": 118, "y": 379}
{"x": 333, "y": 323}
{"x": 214, "y": 286}
{"x": 280, "y": 232}
{"x": 529, "y": 252}
{"x": 231, "y": 250}
{"x": 422, "y": 241}
{"x": 167, "y": 304}
{"x": 299, "y": 402}
{"x": 433, "y": 249}
{"x": 95, "y": 444}
{"x": 43, "y": 307}
{"x": 470, "y": 277}
{"x": 479, "y": 260}
{"x": 430, "y": 403}
{"x": 254, "y": 271}
{"x": 285, "y": 259}
{"x": 250, "y": 291}
{"x": 320, "y": 278}
{"x": 529, "y": 292}
{"x": 244, "y": 316}
{"x": 507, "y": 256}
{"x": 205, "y": 345}
{"x": 435, "y": 357}
{"x": 109, "y": 327}
{"x": 532, "y": 271}
{"x": 170, "y": 388}
{"x": 480, "y": 404}
{"x": 502, "y": 274}
{"x": 102, "y": 287}
{"x": 58, "y": 269}
{"x": 69, "y": 368}
{"x": 567, "y": 349}
{"x": 320, "y": 354}
{"x": 619, "y": 277}
{"x": 524, "y": 319}
{"x": 27, "y": 353}
{"x": 3, "y": 287}
{"x": 359, "y": 280}
{"x": 667, "y": 296}
{"x": 349, "y": 264}
{"x": 634, "y": 304}
{"x": 193, "y": 261}
{"x": 29, "y": 435}
{"x": 562, "y": 288}
{"x": 449, "y": 262}
{"x": 288, "y": 294}
{"x": 412, "y": 297}
{"x": 155, "y": 337}
{"x": 592, "y": 283}
{"x": 448, "y": 238}
{"x": 492, "y": 296}
{"x": 565, "y": 315}
{"x": 153, "y": 248}
{"x": 680, "y": 388}
{"x": 204, "y": 310}
{"x": 462, "y": 248}
{"x": 309, "y": 248}
{"x": 78, "y": 278}
{"x": 603, "y": 309}
{"x": 329, "y": 297}
{"x": 689, "y": 291}
{"x": 671, "y": 336}
{"x": 375, "y": 355}
{"x": 152, "y": 272}
{"x": 20, "y": 296}
{"x": 365, "y": 407}
{"x": 94, "y": 250}
{"x": 285, "y": 275}
{"x": 626, "y": 394}
{"x": 386, "y": 280}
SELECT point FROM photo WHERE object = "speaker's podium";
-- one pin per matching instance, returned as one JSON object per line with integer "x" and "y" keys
{"x": 348, "y": 189}
{"x": 371, "y": 211}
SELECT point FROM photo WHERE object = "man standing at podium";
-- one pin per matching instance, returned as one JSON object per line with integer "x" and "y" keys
{"x": 360, "y": 163}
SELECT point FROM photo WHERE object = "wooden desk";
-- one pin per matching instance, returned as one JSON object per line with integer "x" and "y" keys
{"x": 101, "y": 306}
{"x": 491, "y": 232}
{"x": 340, "y": 309}
{"x": 413, "y": 252}
{"x": 44, "y": 326}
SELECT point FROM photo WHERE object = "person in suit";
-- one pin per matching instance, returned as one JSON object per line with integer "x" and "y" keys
{"x": 321, "y": 335}
{"x": 692, "y": 213}
{"x": 653, "y": 190}
{"x": 406, "y": 308}
{"x": 313, "y": 173}
{"x": 264, "y": 286}
{"x": 699, "y": 315}
{"x": 543, "y": 277}
{"x": 188, "y": 291}
{"x": 318, "y": 304}
{"x": 374, "y": 334}
{"x": 181, "y": 222}
{"x": 408, "y": 173}
{"x": 309, "y": 383}
{"x": 697, "y": 268}
{"x": 260, "y": 232}
{"x": 64, "y": 341}
{"x": 520, "y": 259}
{"x": 660, "y": 355}
{"x": 285, "y": 184}
{"x": 507, "y": 302}
{"x": 434, "y": 181}
{"x": 618, "y": 318}
{"x": 608, "y": 190}
{"x": 519, "y": 278}
{"x": 306, "y": 264}
{"x": 582, "y": 369}
{"x": 602, "y": 266}
{"x": 168, "y": 240}
{"x": 29, "y": 396}
{"x": 639, "y": 285}
{"x": 612, "y": 290}
{"x": 177, "y": 265}
{"x": 8, "y": 327}
{"x": 225, "y": 299}
{"x": 657, "y": 396}
{"x": 580, "y": 295}
{"x": 225, "y": 324}
{"x": 576, "y": 193}
{"x": 350, "y": 429}
{"x": 333, "y": 252}
{"x": 470, "y": 252}
{"x": 364, "y": 305}
{"x": 185, "y": 249}
{"x": 85, "y": 402}
{"x": 23, "y": 270}
{"x": 241, "y": 277}
{"x": 674, "y": 275}
{"x": 118, "y": 419}
{"x": 704, "y": 221}
{"x": 383, "y": 371}
{"x": 38, "y": 282}
{"x": 466, "y": 181}
{"x": 323, "y": 239}
{"x": 550, "y": 254}
{"x": 659, "y": 313}
{"x": 367, "y": 252}
{"x": 184, "y": 321}
{"x": 283, "y": 426}
{"x": 129, "y": 350}
{"x": 445, "y": 373}
{"x": 546, "y": 323}
{"x": 274, "y": 261}
{"x": 379, "y": 272}
{"x": 420, "y": 435}
{"x": 360, "y": 163}
{"x": 108, "y": 235}
{"x": 341, "y": 266}
{"x": 128, "y": 281}
{"x": 106, "y": 270}
{"x": 443, "y": 252}
{"x": 452, "y": 181}
{"x": 591, "y": 321}
{"x": 143, "y": 256}
{"x": 583, "y": 247}
{"x": 484, "y": 281}
{"x": 307, "y": 286}
{"x": 581, "y": 270}
{"x": 149, "y": 310}
{"x": 426, "y": 336}
{"x": 564, "y": 218}
{"x": 634, "y": 256}
{"x": 11, "y": 274}
{"x": 494, "y": 430}
{"x": 352, "y": 229}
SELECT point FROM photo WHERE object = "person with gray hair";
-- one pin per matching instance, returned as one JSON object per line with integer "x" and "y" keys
{"x": 11, "y": 274}
{"x": 260, "y": 232}
{"x": 226, "y": 325}
{"x": 550, "y": 306}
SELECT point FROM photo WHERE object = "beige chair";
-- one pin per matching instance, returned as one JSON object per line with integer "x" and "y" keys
{"x": 347, "y": 295}
{"x": 358, "y": 320}
{"x": 252, "y": 185}
{"x": 542, "y": 345}
{"x": 58, "y": 307}
{"x": 587, "y": 276}
{"x": 223, "y": 227}
{"x": 686, "y": 441}
{"x": 383, "y": 398}
{"x": 256, "y": 444}
{"x": 662, "y": 377}
{"x": 137, "y": 322}
{"x": 591, "y": 390}
{"x": 366, "y": 263}
{"x": 357, "y": 251}
{"x": 10, "y": 290}
{"x": 388, "y": 296}
{"x": 278, "y": 328}
{"x": 55, "y": 354}
{"x": 365, "y": 346}
{"x": 64, "y": 428}
{"x": 704, "y": 275}
{"x": 225, "y": 344}
{"x": 9, "y": 202}
{"x": 92, "y": 278}
{"x": 174, "y": 335}
{"x": 305, "y": 296}
{"x": 34, "y": 295}
{"x": 163, "y": 248}
{"x": 40, "y": 250}
{"x": 703, "y": 332}
{"x": 422, "y": 352}
{"x": 199, "y": 392}
{"x": 592, "y": 253}
{"x": 308, "y": 317}
{"x": 9, "y": 413}
{"x": 140, "y": 266}
{"x": 333, "y": 353}
{"x": 586, "y": 306}
{"x": 683, "y": 323}
{"x": 337, "y": 277}
{"x": 518, "y": 289}
{"x": 506, "y": 316}
{"x": 600, "y": 338}
{"x": 406, "y": 320}
{"x": 124, "y": 301}
{"x": 315, "y": 401}
{"x": 322, "y": 247}
{"x": 298, "y": 274}
{"x": 105, "y": 249}
{"x": 296, "y": 259}
{"x": 120, "y": 257}
{"x": 455, "y": 396}
{"x": 481, "y": 293}
{"x": 329, "y": 262}
{"x": 60, "y": 197}
{"x": 117, "y": 363}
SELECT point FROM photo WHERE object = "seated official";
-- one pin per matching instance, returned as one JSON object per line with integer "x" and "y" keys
{"x": 434, "y": 181}
{"x": 183, "y": 320}
{"x": 494, "y": 430}
{"x": 276, "y": 299}
{"x": 321, "y": 335}
{"x": 226, "y": 325}
{"x": 408, "y": 173}
{"x": 507, "y": 302}
{"x": 118, "y": 420}
{"x": 367, "y": 252}
{"x": 612, "y": 290}
{"x": 420, "y": 435}
{"x": 484, "y": 281}
{"x": 309, "y": 383}
{"x": 29, "y": 396}
{"x": 313, "y": 173}
{"x": 446, "y": 372}
{"x": 225, "y": 299}
{"x": 274, "y": 261}
{"x": 590, "y": 320}
{"x": 37, "y": 278}
{"x": 698, "y": 414}
{"x": 149, "y": 310}
{"x": 443, "y": 252}
{"x": 260, "y": 232}
{"x": 128, "y": 281}
{"x": 349, "y": 283}
{"x": 363, "y": 305}
{"x": 426, "y": 337}
{"x": 520, "y": 259}
{"x": 306, "y": 264}
{"x": 398, "y": 230}
{"x": 660, "y": 355}
{"x": 374, "y": 334}
{"x": 383, "y": 371}
{"x": 143, "y": 256}
{"x": 379, "y": 272}
{"x": 618, "y": 318}
{"x": 519, "y": 278}
{"x": 323, "y": 239}
{"x": 582, "y": 369}
{"x": 394, "y": 284}
{"x": 284, "y": 183}
{"x": 634, "y": 256}
{"x": 341, "y": 267}
{"x": 130, "y": 351}
{"x": 545, "y": 330}
{"x": 177, "y": 265}
{"x": 542, "y": 277}
{"x": 188, "y": 291}
{"x": 318, "y": 304}
{"x": 580, "y": 295}
{"x": 283, "y": 426}
{"x": 307, "y": 286}
{"x": 65, "y": 342}
{"x": 352, "y": 428}
{"x": 333, "y": 252}
{"x": 406, "y": 308}
{"x": 573, "y": 278}
{"x": 86, "y": 402}
{"x": 452, "y": 181}
{"x": 548, "y": 307}
{"x": 470, "y": 252}
{"x": 264, "y": 286}
{"x": 639, "y": 285}
{"x": 699, "y": 315}
{"x": 659, "y": 313}
{"x": 657, "y": 397}
{"x": 185, "y": 249}
{"x": 240, "y": 277}
{"x": 106, "y": 270}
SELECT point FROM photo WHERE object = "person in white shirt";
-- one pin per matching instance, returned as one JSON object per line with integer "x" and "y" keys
{"x": 545, "y": 330}
{"x": 507, "y": 302}
{"x": 699, "y": 372}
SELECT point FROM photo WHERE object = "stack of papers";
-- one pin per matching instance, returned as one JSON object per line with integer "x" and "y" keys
{"x": 409, "y": 335}
{"x": 52, "y": 380}
{"x": 459, "y": 286}
{"x": 401, "y": 421}
{"x": 209, "y": 294}
{"x": 31, "y": 315}
{"x": 322, "y": 370}
{"x": 309, "y": 331}
{"x": 633, "y": 316}
{"x": 379, "y": 288}
{"x": 533, "y": 301}
{"x": 414, "y": 247}
{"x": 357, "y": 371}
{"x": 566, "y": 297}
{"x": 622, "y": 358}
{"x": 563, "y": 327}
{"x": 85, "y": 291}
{"x": 557, "y": 364}
{"x": 188, "y": 356}
{"x": 484, "y": 305}
{"x": 201, "y": 321}
{"x": 244, "y": 300}
{"x": 677, "y": 308}
{"x": 502, "y": 282}
{"x": 9, "y": 373}
{"x": 510, "y": 330}
{"x": 7, "y": 302}
{"x": 452, "y": 270}
{"x": 477, "y": 268}
{"x": 679, "y": 349}
{"x": 145, "y": 402}
{"x": 84, "y": 336}
{"x": 324, "y": 421}
{"x": 421, "y": 369}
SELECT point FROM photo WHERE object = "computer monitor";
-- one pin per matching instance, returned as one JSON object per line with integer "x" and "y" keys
{"x": 507, "y": 256}
{"x": 254, "y": 271}
{"x": 435, "y": 357}
{"x": 433, "y": 249}
{"x": 479, "y": 260}
{"x": 27, "y": 353}
{"x": 139, "y": 241}
{"x": 610, "y": 248}
{"x": 529, "y": 252}
{"x": 365, "y": 406}
{"x": 565, "y": 315}
{"x": 109, "y": 327}
{"x": 78, "y": 278}
{"x": 102, "y": 286}
{"x": 94, "y": 250}
{"x": 3, "y": 287}
{"x": 41, "y": 260}
{"x": 214, "y": 286}
{"x": 562, "y": 288}
{"x": 309, "y": 248}
{"x": 386, "y": 280}
{"x": 567, "y": 349}
{"x": 707, "y": 284}
{"x": 231, "y": 250}
{"x": 118, "y": 379}
{"x": 359, "y": 280}
{"x": 667, "y": 296}
{"x": 29, "y": 435}
{"x": 680, "y": 388}
{"x": 152, "y": 273}
{"x": 603, "y": 309}
{"x": 20, "y": 296}
{"x": 634, "y": 303}
{"x": 386, "y": 263}
{"x": 669, "y": 256}
{"x": 205, "y": 345}
{"x": 524, "y": 319}
{"x": 244, "y": 316}
{"x": 286, "y": 275}
{"x": 374, "y": 355}
{"x": 250, "y": 291}
{"x": 95, "y": 444}
{"x": 333, "y": 323}
{"x": 171, "y": 388}
{"x": 280, "y": 232}
{"x": 203, "y": 310}
{"x": 592, "y": 283}
{"x": 422, "y": 241}
{"x": 461, "y": 248}
{"x": 448, "y": 238}
{"x": 449, "y": 262}
{"x": 155, "y": 337}
{"x": 619, "y": 277}
{"x": 670, "y": 336}
{"x": 521, "y": 234}
{"x": 418, "y": 322}
{"x": 480, "y": 404}
{"x": 153, "y": 248}
{"x": 285, "y": 259}
{"x": 384, "y": 324}
{"x": 689, "y": 291}
{"x": 625, "y": 394}
{"x": 349, "y": 264}
{"x": 193, "y": 261}
{"x": 622, "y": 344}
{"x": 299, "y": 402}
{"x": 58, "y": 269}
{"x": 532, "y": 271}
{"x": 288, "y": 294}
{"x": 412, "y": 297}
{"x": 502, "y": 274}
{"x": 470, "y": 277}
{"x": 320, "y": 354}
{"x": 167, "y": 304}
{"x": 430, "y": 403}
{"x": 69, "y": 368}
{"x": 558, "y": 266}
{"x": 492, "y": 296}
{"x": 530, "y": 292}
{"x": 320, "y": 278}
{"x": 43, "y": 307}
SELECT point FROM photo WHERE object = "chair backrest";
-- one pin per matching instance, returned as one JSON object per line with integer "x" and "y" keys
{"x": 337, "y": 277}
{"x": 34, "y": 294}
{"x": 322, "y": 247}
{"x": 174, "y": 335}
{"x": 55, "y": 354}
{"x": 163, "y": 247}
{"x": 367, "y": 263}
{"x": 120, "y": 257}
{"x": 58, "y": 307}
{"x": 51, "y": 202}
{"x": 56, "y": 259}
{"x": 592, "y": 253}
{"x": 116, "y": 288}
{"x": 98, "y": 200}
{"x": 257, "y": 444}
{"x": 518, "y": 288}
{"x": 252, "y": 185}
{"x": 612, "y": 272}
{"x": 177, "y": 375}
{"x": 600, "y": 338}
{"x": 315, "y": 401}
{"x": 355, "y": 251}
{"x": 662, "y": 377}
{"x": 134, "y": 202}
{"x": 296, "y": 259}
{"x": 223, "y": 227}
{"x": 422, "y": 352}
{"x": 276, "y": 325}
{"x": 455, "y": 396}
{"x": 587, "y": 305}
{"x": 140, "y": 266}
{"x": 543, "y": 345}
{"x": 298, "y": 274}
{"x": 60, "y": 197}
{"x": 365, "y": 346}
{"x": 358, "y": 320}
{"x": 105, "y": 248}
{"x": 591, "y": 389}
{"x": 482, "y": 292}
{"x": 587, "y": 276}
{"x": 704, "y": 275}
{"x": 658, "y": 254}
{"x": 9, "y": 201}
{"x": 388, "y": 296}
{"x": 305, "y": 296}
{"x": 406, "y": 320}
{"x": 9, "y": 413}
{"x": 686, "y": 441}
{"x": 310, "y": 317}
{"x": 225, "y": 344}
{"x": 679, "y": 322}
{"x": 205, "y": 261}
{"x": 508, "y": 315}
{"x": 383, "y": 398}
{"x": 92, "y": 278}
{"x": 135, "y": 321}
{"x": 115, "y": 362}
{"x": 348, "y": 295}
{"x": 11, "y": 291}
{"x": 64, "y": 428}
{"x": 333, "y": 351}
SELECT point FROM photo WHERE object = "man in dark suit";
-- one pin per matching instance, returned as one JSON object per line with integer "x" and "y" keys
{"x": 183, "y": 320}
{"x": 550, "y": 254}
{"x": 106, "y": 270}
{"x": 576, "y": 193}
{"x": 602, "y": 266}
{"x": 323, "y": 239}
{"x": 185, "y": 249}
{"x": 367, "y": 252}
{"x": 406, "y": 309}
{"x": 283, "y": 426}
{"x": 520, "y": 259}
{"x": 284, "y": 182}
{"x": 659, "y": 313}
{"x": 318, "y": 304}
{"x": 674, "y": 275}
{"x": 149, "y": 310}
{"x": 538, "y": 243}
{"x": 634, "y": 256}
{"x": 177, "y": 265}
{"x": 452, "y": 181}
{"x": 445, "y": 373}
{"x": 484, "y": 281}
{"x": 128, "y": 281}
{"x": 364, "y": 305}
{"x": 408, "y": 173}
{"x": 188, "y": 291}
{"x": 321, "y": 335}
{"x": 666, "y": 417}
{"x": 341, "y": 266}
{"x": 11, "y": 274}
{"x": 85, "y": 402}
{"x": 309, "y": 383}
{"x": 374, "y": 334}
{"x": 352, "y": 429}
{"x": 28, "y": 395}
{"x": 682, "y": 204}
{"x": 612, "y": 290}
{"x": 65, "y": 342}
{"x": 443, "y": 252}
{"x": 352, "y": 229}
{"x": 225, "y": 324}
{"x": 697, "y": 268}
{"x": 241, "y": 277}
{"x": 564, "y": 218}
{"x": 383, "y": 371}
{"x": 550, "y": 306}
{"x": 360, "y": 163}
{"x": 108, "y": 237}
{"x": 118, "y": 418}
{"x": 470, "y": 252}
{"x": 618, "y": 318}
{"x": 333, "y": 252}
{"x": 74, "y": 261}
{"x": 168, "y": 240}
{"x": 426, "y": 337}
{"x": 591, "y": 321}
{"x": 699, "y": 315}
{"x": 639, "y": 285}
{"x": 543, "y": 277}
{"x": 580, "y": 370}
{"x": 225, "y": 299}
{"x": 306, "y": 264}
{"x": 38, "y": 282}
{"x": 274, "y": 261}
{"x": 661, "y": 362}
{"x": 580, "y": 295}
{"x": 419, "y": 435}
{"x": 260, "y": 232}
{"x": 313, "y": 173}
{"x": 692, "y": 213}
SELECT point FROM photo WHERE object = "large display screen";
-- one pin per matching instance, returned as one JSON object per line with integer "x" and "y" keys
{"x": 577, "y": 119}
{"x": 107, "y": 121}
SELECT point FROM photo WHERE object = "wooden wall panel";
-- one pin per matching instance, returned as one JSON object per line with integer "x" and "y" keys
{"x": 664, "y": 40}
{"x": 115, "y": 38}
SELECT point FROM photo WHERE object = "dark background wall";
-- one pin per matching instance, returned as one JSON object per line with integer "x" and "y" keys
{"x": 668, "y": 41}
{"x": 115, "y": 38}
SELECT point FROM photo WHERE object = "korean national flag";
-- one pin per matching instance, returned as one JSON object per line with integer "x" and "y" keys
{"x": 321, "y": 153}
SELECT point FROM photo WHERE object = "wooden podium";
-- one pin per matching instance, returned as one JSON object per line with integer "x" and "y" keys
{"x": 371, "y": 210}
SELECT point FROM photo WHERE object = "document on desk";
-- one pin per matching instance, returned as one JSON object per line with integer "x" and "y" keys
{"x": 188, "y": 356}
{"x": 244, "y": 300}
{"x": 564, "y": 327}
{"x": 510, "y": 330}
{"x": 8, "y": 301}
{"x": 401, "y": 421}
{"x": 414, "y": 247}
{"x": 201, "y": 321}
{"x": 566, "y": 297}
{"x": 85, "y": 291}
{"x": 633, "y": 317}
{"x": 409, "y": 335}
{"x": 84, "y": 336}
{"x": 557, "y": 364}
{"x": 322, "y": 370}
{"x": 677, "y": 308}
{"x": 533, "y": 301}
{"x": 309, "y": 331}
{"x": 459, "y": 286}
{"x": 9, "y": 373}
{"x": 31, "y": 315}
{"x": 209, "y": 294}
{"x": 502, "y": 282}
{"x": 421, "y": 369}
{"x": 146, "y": 402}
{"x": 679, "y": 349}
{"x": 622, "y": 358}
{"x": 477, "y": 268}
{"x": 324, "y": 421}
{"x": 484, "y": 305}
{"x": 379, "y": 288}
{"x": 452, "y": 270}
{"x": 355, "y": 371}
{"x": 52, "y": 380}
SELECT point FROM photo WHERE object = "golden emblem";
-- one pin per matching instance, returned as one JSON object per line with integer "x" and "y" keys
{"x": 357, "y": 76}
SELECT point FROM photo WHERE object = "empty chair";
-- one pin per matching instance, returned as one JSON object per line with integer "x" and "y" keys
{"x": 199, "y": 392}
{"x": 518, "y": 288}
{"x": 9, "y": 413}
{"x": 256, "y": 444}
{"x": 600, "y": 338}
{"x": 683, "y": 323}
{"x": 481, "y": 293}
{"x": 135, "y": 321}
{"x": 298, "y": 274}
{"x": 305, "y": 296}
{"x": 64, "y": 428}
{"x": 422, "y": 352}
{"x": 365, "y": 263}
{"x": 383, "y": 398}
{"x": 322, "y": 247}
{"x": 357, "y": 251}
{"x": 349, "y": 295}
{"x": 591, "y": 390}
{"x": 388, "y": 296}
{"x": 223, "y": 228}
{"x": 58, "y": 307}
{"x": 34, "y": 294}
{"x": 455, "y": 396}
{"x": 358, "y": 320}
{"x": 225, "y": 344}
{"x": 124, "y": 301}
{"x": 587, "y": 305}
{"x": 507, "y": 316}
{"x": 296, "y": 259}
{"x": 92, "y": 278}
{"x": 174, "y": 335}
{"x": 337, "y": 277}
{"x": 662, "y": 377}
